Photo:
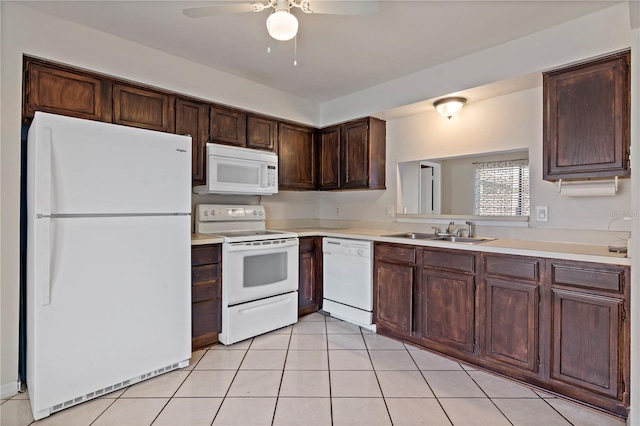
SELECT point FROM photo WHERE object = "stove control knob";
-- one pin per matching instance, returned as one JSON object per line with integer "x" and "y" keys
{"x": 261, "y": 213}
{"x": 213, "y": 212}
{"x": 205, "y": 213}
{"x": 255, "y": 212}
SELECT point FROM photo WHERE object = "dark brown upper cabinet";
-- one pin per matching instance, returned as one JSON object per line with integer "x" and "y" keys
{"x": 262, "y": 133}
{"x": 192, "y": 118}
{"x": 586, "y": 119}
{"x": 228, "y": 127}
{"x": 362, "y": 155}
{"x": 297, "y": 168}
{"x": 143, "y": 108}
{"x": 57, "y": 90}
{"x": 329, "y": 158}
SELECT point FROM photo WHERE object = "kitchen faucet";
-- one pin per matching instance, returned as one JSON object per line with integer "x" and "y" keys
{"x": 449, "y": 230}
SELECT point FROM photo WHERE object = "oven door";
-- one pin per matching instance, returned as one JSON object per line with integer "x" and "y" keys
{"x": 258, "y": 269}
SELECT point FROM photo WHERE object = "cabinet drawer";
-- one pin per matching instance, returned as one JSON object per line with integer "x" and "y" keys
{"x": 307, "y": 244}
{"x": 204, "y": 273}
{"x": 513, "y": 267}
{"x": 588, "y": 275}
{"x": 452, "y": 260}
{"x": 200, "y": 292}
{"x": 203, "y": 255}
{"x": 395, "y": 252}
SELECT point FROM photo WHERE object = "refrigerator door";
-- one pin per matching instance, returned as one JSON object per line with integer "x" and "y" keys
{"x": 88, "y": 167}
{"x": 108, "y": 300}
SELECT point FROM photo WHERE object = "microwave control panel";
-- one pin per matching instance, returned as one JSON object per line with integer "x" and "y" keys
{"x": 272, "y": 176}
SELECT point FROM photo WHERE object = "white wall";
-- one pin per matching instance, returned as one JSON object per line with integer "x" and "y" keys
{"x": 25, "y": 31}
{"x": 604, "y": 31}
{"x": 508, "y": 122}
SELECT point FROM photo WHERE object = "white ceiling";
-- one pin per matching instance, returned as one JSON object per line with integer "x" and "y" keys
{"x": 337, "y": 55}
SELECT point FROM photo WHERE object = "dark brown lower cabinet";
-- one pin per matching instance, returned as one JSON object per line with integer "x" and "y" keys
{"x": 310, "y": 275}
{"x": 394, "y": 275}
{"x": 590, "y": 333}
{"x": 446, "y": 300}
{"x": 559, "y": 325}
{"x": 586, "y": 341}
{"x": 206, "y": 301}
{"x": 511, "y": 323}
{"x": 509, "y": 309}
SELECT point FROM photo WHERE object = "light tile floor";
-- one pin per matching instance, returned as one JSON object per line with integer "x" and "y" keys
{"x": 321, "y": 371}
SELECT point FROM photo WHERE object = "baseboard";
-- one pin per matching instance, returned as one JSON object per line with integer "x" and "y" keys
{"x": 7, "y": 390}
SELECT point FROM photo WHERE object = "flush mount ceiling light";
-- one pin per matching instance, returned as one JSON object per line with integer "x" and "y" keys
{"x": 449, "y": 106}
{"x": 281, "y": 24}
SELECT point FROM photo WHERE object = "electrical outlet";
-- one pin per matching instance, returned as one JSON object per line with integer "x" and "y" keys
{"x": 542, "y": 213}
{"x": 337, "y": 210}
{"x": 391, "y": 210}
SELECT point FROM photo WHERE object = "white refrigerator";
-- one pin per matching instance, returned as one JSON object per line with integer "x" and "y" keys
{"x": 108, "y": 258}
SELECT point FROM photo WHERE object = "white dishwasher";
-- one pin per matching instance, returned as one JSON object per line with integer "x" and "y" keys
{"x": 347, "y": 268}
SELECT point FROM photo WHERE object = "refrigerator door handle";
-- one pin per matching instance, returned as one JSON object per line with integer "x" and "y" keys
{"x": 43, "y": 166}
{"x": 42, "y": 259}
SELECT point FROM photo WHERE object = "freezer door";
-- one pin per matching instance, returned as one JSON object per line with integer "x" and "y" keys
{"x": 81, "y": 167}
{"x": 116, "y": 304}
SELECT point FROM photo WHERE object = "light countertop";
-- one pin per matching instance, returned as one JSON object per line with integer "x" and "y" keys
{"x": 553, "y": 250}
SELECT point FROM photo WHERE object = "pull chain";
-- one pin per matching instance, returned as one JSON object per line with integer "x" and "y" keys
{"x": 295, "y": 51}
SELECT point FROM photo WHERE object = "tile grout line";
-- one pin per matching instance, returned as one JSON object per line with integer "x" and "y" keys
{"x": 483, "y": 391}
{"x": 427, "y": 382}
{"x": 326, "y": 343}
{"x": 375, "y": 373}
{"x": 232, "y": 380}
{"x": 284, "y": 366}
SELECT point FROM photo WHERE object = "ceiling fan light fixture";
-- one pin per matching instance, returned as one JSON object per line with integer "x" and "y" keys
{"x": 449, "y": 106}
{"x": 282, "y": 25}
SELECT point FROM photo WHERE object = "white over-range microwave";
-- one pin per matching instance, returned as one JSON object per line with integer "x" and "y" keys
{"x": 234, "y": 170}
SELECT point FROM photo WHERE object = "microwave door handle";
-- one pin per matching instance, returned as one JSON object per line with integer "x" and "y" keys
{"x": 263, "y": 175}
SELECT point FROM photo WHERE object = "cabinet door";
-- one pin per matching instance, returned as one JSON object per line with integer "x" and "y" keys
{"x": 355, "y": 155}
{"x": 143, "y": 108}
{"x": 586, "y": 120}
{"x": 511, "y": 323}
{"x": 192, "y": 118}
{"x": 585, "y": 342}
{"x": 296, "y": 157}
{"x": 228, "y": 127}
{"x": 329, "y": 167}
{"x": 447, "y": 305}
{"x": 394, "y": 296}
{"x": 310, "y": 284}
{"x": 262, "y": 133}
{"x": 65, "y": 92}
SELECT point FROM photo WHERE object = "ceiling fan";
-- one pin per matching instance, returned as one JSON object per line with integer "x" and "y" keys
{"x": 282, "y": 24}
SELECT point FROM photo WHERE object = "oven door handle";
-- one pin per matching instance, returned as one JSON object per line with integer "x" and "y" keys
{"x": 250, "y": 246}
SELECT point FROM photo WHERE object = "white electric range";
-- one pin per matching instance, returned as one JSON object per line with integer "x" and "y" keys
{"x": 259, "y": 270}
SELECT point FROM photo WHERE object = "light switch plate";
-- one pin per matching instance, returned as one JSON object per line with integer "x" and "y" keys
{"x": 542, "y": 213}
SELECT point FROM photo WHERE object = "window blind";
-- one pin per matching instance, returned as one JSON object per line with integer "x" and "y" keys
{"x": 502, "y": 188}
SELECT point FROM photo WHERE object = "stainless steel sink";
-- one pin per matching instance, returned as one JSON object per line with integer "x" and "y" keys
{"x": 413, "y": 235}
{"x": 449, "y": 238}
{"x": 455, "y": 239}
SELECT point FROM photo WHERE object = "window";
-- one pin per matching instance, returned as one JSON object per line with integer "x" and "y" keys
{"x": 502, "y": 188}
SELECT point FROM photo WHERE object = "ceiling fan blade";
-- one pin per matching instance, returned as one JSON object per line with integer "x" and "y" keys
{"x": 225, "y": 8}
{"x": 341, "y": 7}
